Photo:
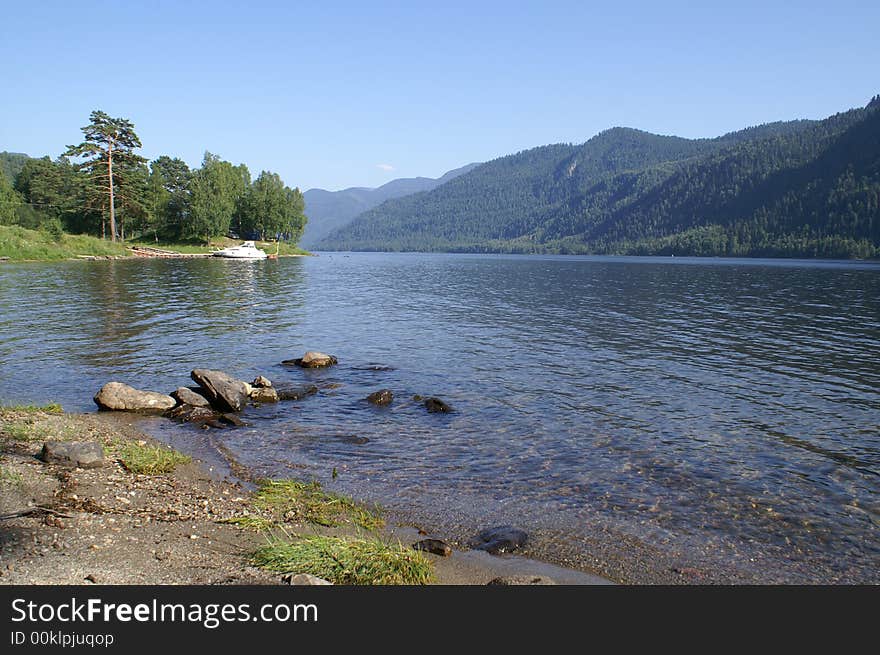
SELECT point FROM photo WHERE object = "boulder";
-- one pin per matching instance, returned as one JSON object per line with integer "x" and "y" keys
{"x": 296, "y": 392}
{"x": 435, "y": 405}
{"x": 264, "y": 395}
{"x": 186, "y": 396}
{"x": 501, "y": 539}
{"x": 224, "y": 391}
{"x": 522, "y": 580}
{"x": 121, "y": 397}
{"x": 313, "y": 359}
{"x": 85, "y": 454}
{"x": 191, "y": 414}
{"x": 381, "y": 397}
{"x": 435, "y": 546}
{"x": 261, "y": 382}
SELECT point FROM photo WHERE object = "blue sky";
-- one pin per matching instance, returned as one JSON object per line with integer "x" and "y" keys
{"x": 337, "y": 94}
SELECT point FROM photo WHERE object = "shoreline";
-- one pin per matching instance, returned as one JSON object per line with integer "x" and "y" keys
{"x": 107, "y": 525}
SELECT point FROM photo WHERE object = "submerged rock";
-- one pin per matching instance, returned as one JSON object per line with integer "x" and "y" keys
{"x": 501, "y": 539}
{"x": 224, "y": 391}
{"x": 86, "y": 454}
{"x": 435, "y": 405}
{"x": 117, "y": 396}
{"x": 373, "y": 367}
{"x": 264, "y": 395}
{"x": 434, "y": 546}
{"x": 296, "y": 392}
{"x": 313, "y": 359}
{"x": 231, "y": 419}
{"x": 191, "y": 414}
{"x": 187, "y": 396}
{"x": 381, "y": 397}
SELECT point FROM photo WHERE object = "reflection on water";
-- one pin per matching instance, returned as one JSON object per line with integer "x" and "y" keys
{"x": 682, "y": 401}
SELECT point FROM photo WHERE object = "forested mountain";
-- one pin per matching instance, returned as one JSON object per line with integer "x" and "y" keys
{"x": 801, "y": 188}
{"x": 331, "y": 210}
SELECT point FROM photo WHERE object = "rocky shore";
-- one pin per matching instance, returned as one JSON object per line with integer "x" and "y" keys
{"x": 69, "y": 515}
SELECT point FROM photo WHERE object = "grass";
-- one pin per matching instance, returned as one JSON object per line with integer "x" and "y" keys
{"x": 9, "y": 477}
{"x": 51, "y": 408}
{"x": 151, "y": 460}
{"x": 292, "y": 500}
{"x": 346, "y": 561}
{"x": 21, "y": 244}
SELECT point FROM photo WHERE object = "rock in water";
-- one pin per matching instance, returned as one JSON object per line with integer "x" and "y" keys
{"x": 87, "y": 454}
{"x": 186, "y": 396}
{"x": 261, "y": 382}
{"x": 191, "y": 414}
{"x": 381, "y": 398}
{"x": 297, "y": 392}
{"x": 121, "y": 397}
{"x": 501, "y": 539}
{"x": 435, "y": 405}
{"x": 264, "y": 395}
{"x": 313, "y": 359}
{"x": 224, "y": 391}
{"x": 435, "y": 546}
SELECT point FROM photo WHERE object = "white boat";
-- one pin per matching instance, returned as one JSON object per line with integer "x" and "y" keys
{"x": 247, "y": 250}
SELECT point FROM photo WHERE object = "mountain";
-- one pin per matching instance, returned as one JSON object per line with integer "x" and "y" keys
{"x": 330, "y": 210}
{"x": 798, "y": 188}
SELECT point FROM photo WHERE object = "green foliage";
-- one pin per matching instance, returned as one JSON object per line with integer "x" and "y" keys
{"x": 151, "y": 460}
{"x": 347, "y": 562}
{"x": 107, "y": 158}
{"x": 216, "y": 192}
{"x": 805, "y": 188}
{"x": 21, "y": 244}
{"x": 9, "y": 201}
{"x": 271, "y": 208}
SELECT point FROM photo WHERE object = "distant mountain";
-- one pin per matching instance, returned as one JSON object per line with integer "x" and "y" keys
{"x": 330, "y": 210}
{"x": 804, "y": 188}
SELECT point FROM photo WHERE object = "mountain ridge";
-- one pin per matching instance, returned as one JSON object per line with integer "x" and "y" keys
{"x": 627, "y": 191}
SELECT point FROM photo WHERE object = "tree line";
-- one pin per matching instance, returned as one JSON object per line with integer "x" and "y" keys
{"x": 101, "y": 186}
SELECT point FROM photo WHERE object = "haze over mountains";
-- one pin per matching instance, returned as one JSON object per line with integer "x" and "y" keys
{"x": 330, "y": 210}
{"x": 798, "y": 188}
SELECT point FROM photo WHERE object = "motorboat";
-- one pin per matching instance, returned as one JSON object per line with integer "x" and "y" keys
{"x": 247, "y": 250}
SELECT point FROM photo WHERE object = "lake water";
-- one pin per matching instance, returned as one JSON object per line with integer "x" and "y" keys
{"x": 725, "y": 408}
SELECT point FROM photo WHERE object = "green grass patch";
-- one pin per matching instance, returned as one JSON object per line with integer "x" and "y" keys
{"x": 50, "y": 408}
{"x": 18, "y": 243}
{"x": 292, "y": 500}
{"x": 347, "y": 561}
{"x": 28, "y": 429}
{"x": 151, "y": 460}
{"x": 9, "y": 477}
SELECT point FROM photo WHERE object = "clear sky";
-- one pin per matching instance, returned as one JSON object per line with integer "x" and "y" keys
{"x": 336, "y": 94}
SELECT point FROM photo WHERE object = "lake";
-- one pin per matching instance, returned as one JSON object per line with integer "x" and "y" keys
{"x": 723, "y": 412}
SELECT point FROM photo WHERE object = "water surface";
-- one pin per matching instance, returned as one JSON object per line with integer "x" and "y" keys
{"x": 726, "y": 406}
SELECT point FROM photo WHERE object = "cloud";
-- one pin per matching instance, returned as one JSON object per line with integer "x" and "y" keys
{"x": 385, "y": 167}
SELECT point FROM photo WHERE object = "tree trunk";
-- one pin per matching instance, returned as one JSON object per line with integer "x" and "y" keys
{"x": 112, "y": 205}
